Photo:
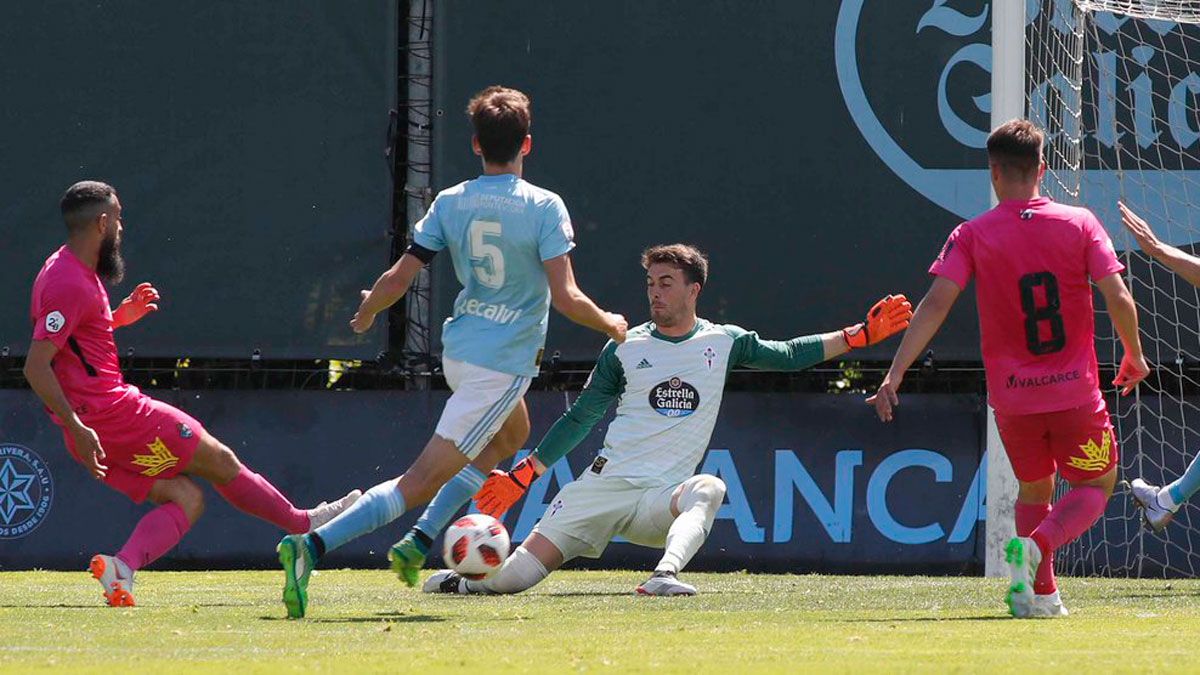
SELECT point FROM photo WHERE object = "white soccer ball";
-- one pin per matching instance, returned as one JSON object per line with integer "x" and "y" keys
{"x": 476, "y": 545}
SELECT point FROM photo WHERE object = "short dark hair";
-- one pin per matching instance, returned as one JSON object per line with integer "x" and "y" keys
{"x": 79, "y": 201}
{"x": 689, "y": 259}
{"x": 1016, "y": 147}
{"x": 501, "y": 119}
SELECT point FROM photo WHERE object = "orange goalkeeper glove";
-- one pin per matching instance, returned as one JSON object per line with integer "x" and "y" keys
{"x": 886, "y": 318}
{"x": 502, "y": 489}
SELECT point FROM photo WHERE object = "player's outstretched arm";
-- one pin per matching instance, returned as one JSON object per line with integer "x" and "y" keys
{"x": 388, "y": 288}
{"x": 45, "y": 384}
{"x": 1123, "y": 312}
{"x": 886, "y": 318}
{"x": 573, "y": 303}
{"x": 142, "y": 301}
{"x": 924, "y": 325}
{"x": 502, "y": 489}
{"x": 1183, "y": 264}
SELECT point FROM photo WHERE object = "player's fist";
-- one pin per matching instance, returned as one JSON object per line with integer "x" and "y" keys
{"x": 88, "y": 449}
{"x": 142, "y": 301}
{"x": 502, "y": 489}
{"x": 617, "y": 327}
{"x": 363, "y": 319}
{"x": 1132, "y": 371}
{"x": 885, "y": 318}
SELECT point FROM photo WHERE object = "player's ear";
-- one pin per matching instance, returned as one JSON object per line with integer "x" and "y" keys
{"x": 526, "y": 145}
{"x": 475, "y": 146}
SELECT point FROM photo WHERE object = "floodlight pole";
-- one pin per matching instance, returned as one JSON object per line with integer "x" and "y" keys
{"x": 1008, "y": 102}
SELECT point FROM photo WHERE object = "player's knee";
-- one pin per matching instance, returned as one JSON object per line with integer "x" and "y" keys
{"x": 189, "y": 497}
{"x": 214, "y": 461}
{"x": 707, "y": 491}
{"x": 1039, "y": 491}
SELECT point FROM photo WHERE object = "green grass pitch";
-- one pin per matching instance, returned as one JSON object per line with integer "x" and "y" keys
{"x": 366, "y": 621}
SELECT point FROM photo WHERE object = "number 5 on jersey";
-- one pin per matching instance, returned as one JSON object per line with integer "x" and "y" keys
{"x": 487, "y": 260}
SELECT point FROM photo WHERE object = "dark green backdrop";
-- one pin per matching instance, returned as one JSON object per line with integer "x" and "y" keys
{"x": 246, "y": 141}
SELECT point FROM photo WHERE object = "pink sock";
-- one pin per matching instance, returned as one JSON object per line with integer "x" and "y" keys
{"x": 1029, "y": 516}
{"x": 253, "y": 494}
{"x": 1078, "y": 510}
{"x": 156, "y": 533}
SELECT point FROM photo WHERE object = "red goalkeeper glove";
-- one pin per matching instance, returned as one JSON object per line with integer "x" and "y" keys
{"x": 886, "y": 318}
{"x": 502, "y": 489}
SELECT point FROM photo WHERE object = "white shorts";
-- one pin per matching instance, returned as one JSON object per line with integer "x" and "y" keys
{"x": 589, "y": 512}
{"x": 482, "y": 400}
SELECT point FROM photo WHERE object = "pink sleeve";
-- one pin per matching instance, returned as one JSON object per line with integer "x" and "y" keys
{"x": 58, "y": 311}
{"x": 954, "y": 262}
{"x": 1101, "y": 257}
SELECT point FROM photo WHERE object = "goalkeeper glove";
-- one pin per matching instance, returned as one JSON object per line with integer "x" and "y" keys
{"x": 886, "y": 318}
{"x": 502, "y": 489}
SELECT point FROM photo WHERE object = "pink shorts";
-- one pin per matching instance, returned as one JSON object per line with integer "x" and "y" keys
{"x": 1078, "y": 443}
{"x": 144, "y": 440}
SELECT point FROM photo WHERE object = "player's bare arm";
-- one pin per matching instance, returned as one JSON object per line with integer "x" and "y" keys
{"x": 573, "y": 303}
{"x": 45, "y": 384}
{"x": 142, "y": 301}
{"x": 924, "y": 325}
{"x": 1123, "y": 312}
{"x": 388, "y": 289}
{"x": 1181, "y": 263}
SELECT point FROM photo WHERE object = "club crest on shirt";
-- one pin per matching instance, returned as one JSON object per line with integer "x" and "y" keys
{"x": 55, "y": 321}
{"x": 710, "y": 355}
{"x": 674, "y": 398}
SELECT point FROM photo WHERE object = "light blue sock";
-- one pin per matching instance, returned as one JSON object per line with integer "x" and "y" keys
{"x": 1186, "y": 485}
{"x": 456, "y": 492}
{"x": 377, "y": 507}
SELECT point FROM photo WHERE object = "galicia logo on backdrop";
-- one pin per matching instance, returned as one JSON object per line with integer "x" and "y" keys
{"x": 1142, "y": 97}
{"x": 26, "y": 491}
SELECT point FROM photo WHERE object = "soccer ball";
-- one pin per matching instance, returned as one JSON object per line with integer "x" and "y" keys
{"x": 476, "y": 545}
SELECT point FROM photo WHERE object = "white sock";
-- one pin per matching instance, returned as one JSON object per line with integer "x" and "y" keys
{"x": 699, "y": 502}
{"x": 522, "y": 570}
{"x": 1166, "y": 501}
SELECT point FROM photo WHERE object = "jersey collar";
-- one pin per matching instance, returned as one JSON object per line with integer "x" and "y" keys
{"x": 667, "y": 338}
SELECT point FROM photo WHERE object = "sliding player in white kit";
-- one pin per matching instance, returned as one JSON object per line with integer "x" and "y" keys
{"x": 667, "y": 378}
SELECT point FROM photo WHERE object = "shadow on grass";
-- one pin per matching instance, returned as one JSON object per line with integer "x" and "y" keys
{"x": 378, "y": 617}
{"x": 924, "y": 619}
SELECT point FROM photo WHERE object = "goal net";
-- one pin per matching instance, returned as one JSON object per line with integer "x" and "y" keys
{"x": 1116, "y": 85}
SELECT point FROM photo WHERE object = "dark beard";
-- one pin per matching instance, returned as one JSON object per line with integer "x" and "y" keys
{"x": 110, "y": 267}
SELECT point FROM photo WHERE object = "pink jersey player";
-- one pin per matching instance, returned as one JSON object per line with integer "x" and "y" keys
{"x": 1034, "y": 262}
{"x": 137, "y": 445}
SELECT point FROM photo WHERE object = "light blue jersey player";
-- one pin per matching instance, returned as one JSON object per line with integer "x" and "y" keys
{"x": 509, "y": 242}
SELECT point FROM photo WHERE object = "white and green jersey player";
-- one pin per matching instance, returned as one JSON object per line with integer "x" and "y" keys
{"x": 667, "y": 379}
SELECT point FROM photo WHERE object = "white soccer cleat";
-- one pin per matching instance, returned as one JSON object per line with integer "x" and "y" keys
{"x": 665, "y": 583}
{"x": 445, "y": 581}
{"x": 116, "y": 579}
{"x": 326, "y": 511}
{"x": 1023, "y": 557}
{"x": 1153, "y": 513}
{"x": 1048, "y": 606}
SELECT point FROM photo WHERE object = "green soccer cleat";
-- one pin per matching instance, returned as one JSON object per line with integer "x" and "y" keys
{"x": 1023, "y": 557}
{"x": 408, "y": 557}
{"x": 298, "y": 561}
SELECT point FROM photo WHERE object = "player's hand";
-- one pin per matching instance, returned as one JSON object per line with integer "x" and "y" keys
{"x": 885, "y": 399}
{"x": 363, "y": 319}
{"x": 87, "y": 447}
{"x": 1131, "y": 372}
{"x": 885, "y": 318}
{"x": 142, "y": 301}
{"x": 502, "y": 489}
{"x": 617, "y": 327}
{"x": 1140, "y": 230}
